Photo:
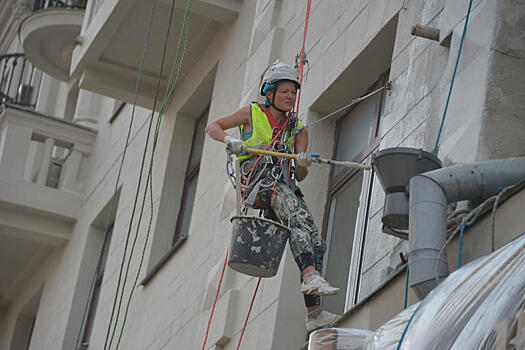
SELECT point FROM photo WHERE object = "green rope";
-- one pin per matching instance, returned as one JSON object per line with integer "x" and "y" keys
{"x": 115, "y": 191}
{"x": 117, "y": 298}
{"x": 168, "y": 95}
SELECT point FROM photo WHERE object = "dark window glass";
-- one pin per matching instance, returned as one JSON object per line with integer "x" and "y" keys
{"x": 356, "y": 137}
{"x": 93, "y": 303}
{"x": 191, "y": 179}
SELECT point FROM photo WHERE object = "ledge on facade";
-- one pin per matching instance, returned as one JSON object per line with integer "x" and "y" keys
{"x": 50, "y": 118}
{"x": 107, "y": 60}
{"x": 153, "y": 272}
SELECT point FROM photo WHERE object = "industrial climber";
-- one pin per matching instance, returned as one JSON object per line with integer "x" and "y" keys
{"x": 269, "y": 183}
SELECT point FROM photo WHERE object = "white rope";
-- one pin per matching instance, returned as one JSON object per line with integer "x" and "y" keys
{"x": 353, "y": 102}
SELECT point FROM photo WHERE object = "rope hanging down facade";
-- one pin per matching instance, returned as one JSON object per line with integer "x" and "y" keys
{"x": 117, "y": 180}
{"x": 117, "y": 297}
{"x": 301, "y": 68}
{"x": 171, "y": 86}
{"x": 436, "y": 146}
{"x": 172, "y": 83}
{"x": 453, "y": 78}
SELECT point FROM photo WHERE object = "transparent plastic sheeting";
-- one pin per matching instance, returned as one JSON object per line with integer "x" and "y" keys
{"x": 386, "y": 336}
{"x": 480, "y": 306}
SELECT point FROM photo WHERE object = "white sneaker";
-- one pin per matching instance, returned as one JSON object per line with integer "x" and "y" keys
{"x": 319, "y": 319}
{"x": 314, "y": 283}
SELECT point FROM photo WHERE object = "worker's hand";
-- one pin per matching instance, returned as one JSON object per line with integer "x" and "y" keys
{"x": 305, "y": 159}
{"x": 235, "y": 145}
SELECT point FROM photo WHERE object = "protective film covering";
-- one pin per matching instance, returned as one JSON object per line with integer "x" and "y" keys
{"x": 479, "y": 306}
{"x": 340, "y": 339}
{"x": 386, "y": 336}
{"x": 476, "y": 307}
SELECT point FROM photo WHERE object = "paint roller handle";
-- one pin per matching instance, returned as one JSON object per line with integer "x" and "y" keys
{"x": 315, "y": 157}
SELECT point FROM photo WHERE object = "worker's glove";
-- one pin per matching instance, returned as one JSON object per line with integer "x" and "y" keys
{"x": 235, "y": 145}
{"x": 305, "y": 159}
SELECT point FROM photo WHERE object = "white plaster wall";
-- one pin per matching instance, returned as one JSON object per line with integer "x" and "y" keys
{"x": 172, "y": 310}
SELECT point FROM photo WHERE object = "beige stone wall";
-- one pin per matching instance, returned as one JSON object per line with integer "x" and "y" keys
{"x": 172, "y": 310}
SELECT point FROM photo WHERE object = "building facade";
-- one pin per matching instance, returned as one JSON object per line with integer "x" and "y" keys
{"x": 84, "y": 247}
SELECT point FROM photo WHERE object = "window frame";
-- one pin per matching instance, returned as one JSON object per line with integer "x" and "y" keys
{"x": 97, "y": 287}
{"x": 117, "y": 109}
{"x": 192, "y": 173}
{"x": 336, "y": 182}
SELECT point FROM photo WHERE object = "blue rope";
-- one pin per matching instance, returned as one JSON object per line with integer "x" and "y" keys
{"x": 453, "y": 78}
{"x": 406, "y": 288}
{"x": 461, "y": 243}
{"x": 406, "y": 327}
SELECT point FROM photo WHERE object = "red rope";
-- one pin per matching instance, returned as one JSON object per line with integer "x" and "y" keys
{"x": 216, "y": 297}
{"x": 301, "y": 59}
{"x": 248, "y": 315}
{"x": 301, "y": 70}
{"x": 227, "y": 251}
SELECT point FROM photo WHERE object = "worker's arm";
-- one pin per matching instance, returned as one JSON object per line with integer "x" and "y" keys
{"x": 216, "y": 128}
{"x": 301, "y": 144}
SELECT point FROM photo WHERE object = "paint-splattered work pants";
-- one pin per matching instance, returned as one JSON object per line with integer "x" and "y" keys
{"x": 307, "y": 244}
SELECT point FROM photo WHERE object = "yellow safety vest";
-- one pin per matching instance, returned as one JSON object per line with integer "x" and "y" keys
{"x": 261, "y": 134}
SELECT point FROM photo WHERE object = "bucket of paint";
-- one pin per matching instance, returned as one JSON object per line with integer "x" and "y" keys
{"x": 257, "y": 245}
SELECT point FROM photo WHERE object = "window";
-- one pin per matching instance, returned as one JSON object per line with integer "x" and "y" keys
{"x": 346, "y": 213}
{"x": 190, "y": 179}
{"x": 88, "y": 328}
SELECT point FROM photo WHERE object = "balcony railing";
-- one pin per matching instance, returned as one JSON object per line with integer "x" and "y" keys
{"x": 46, "y": 151}
{"x": 19, "y": 81}
{"x": 44, "y": 4}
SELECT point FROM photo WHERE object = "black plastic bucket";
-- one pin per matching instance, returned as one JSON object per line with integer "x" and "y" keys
{"x": 257, "y": 245}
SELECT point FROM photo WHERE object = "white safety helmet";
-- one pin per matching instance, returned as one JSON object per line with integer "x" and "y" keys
{"x": 279, "y": 71}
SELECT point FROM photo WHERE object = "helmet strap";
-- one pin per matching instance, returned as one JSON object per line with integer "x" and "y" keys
{"x": 272, "y": 102}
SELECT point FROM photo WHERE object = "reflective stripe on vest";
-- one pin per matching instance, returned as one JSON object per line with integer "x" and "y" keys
{"x": 262, "y": 133}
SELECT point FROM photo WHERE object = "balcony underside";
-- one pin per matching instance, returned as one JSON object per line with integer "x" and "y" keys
{"x": 109, "y": 58}
{"x": 37, "y": 215}
{"x": 19, "y": 261}
{"x": 49, "y": 36}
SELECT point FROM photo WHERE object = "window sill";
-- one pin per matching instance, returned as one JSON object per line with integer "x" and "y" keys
{"x": 153, "y": 272}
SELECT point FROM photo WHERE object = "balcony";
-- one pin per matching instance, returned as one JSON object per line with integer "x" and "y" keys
{"x": 43, "y": 162}
{"x": 113, "y": 35}
{"x": 49, "y": 35}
